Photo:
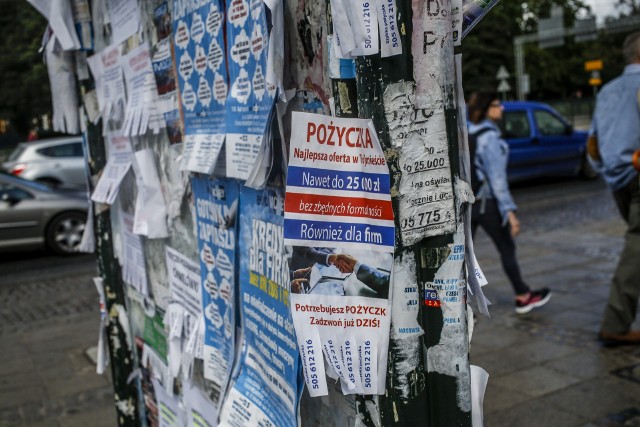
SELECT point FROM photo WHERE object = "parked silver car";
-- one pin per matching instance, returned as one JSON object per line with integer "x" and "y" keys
{"x": 58, "y": 161}
{"x": 33, "y": 214}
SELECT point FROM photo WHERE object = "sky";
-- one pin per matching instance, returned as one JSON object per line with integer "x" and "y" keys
{"x": 602, "y": 8}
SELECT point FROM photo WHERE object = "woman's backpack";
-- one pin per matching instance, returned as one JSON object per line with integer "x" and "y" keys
{"x": 473, "y": 143}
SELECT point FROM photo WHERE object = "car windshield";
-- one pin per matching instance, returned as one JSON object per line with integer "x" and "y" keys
{"x": 17, "y": 152}
{"x": 39, "y": 186}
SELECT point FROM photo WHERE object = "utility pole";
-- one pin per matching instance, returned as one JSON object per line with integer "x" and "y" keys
{"x": 417, "y": 387}
{"x": 117, "y": 331}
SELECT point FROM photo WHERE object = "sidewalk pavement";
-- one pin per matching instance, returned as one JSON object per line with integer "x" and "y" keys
{"x": 46, "y": 326}
{"x": 546, "y": 367}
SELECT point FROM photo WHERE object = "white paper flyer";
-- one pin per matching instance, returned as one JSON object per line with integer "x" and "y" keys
{"x": 151, "y": 213}
{"x": 425, "y": 193}
{"x": 125, "y": 19}
{"x": 184, "y": 310}
{"x": 134, "y": 269}
{"x": 114, "y": 171}
{"x": 107, "y": 73}
{"x": 143, "y": 110}
{"x": 339, "y": 220}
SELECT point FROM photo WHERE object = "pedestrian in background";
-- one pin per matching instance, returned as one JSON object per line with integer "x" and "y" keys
{"x": 494, "y": 209}
{"x": 614, "y": 150}
{"x": 33, "y": 135}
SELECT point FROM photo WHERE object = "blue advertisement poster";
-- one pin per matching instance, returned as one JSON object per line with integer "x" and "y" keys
{"x": 267, "y": 382}
{"x": 198, "y": 39}
{"x": 216, "y": 202}
{"x": 250, "y": 97}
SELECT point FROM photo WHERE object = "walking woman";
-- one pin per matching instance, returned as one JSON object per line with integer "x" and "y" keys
{"x": 494, "y": 209}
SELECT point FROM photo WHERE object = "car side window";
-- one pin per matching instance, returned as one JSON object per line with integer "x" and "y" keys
{"x": 11, "y": 192}
{"x": 63, "y": 150}
{"x": 548, "y": 124}
{"x": 515, "y": 124}
{"x": 77, "y": 150}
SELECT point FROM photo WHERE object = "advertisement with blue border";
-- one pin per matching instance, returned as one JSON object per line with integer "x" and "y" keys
{"x": 250, "y": 97}
{"x": 216, "y": 202}
{"x": 198, "y": 35}
{"x": 339, "y": 223}
{"x": 267, "y": 384}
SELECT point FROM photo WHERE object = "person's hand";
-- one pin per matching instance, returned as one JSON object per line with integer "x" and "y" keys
{"x": 345, "y": 263}
{"x": 514, "y": 223}
{"x": 349, "y": 262}
{"x": 592, "y": 147}
{"x": 297, "y": 285}
{"x": 302, "y": 272}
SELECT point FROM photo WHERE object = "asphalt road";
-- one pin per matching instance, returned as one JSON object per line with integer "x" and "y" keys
{"x": 551, "y": 204}
{"x": 38, "y": 287}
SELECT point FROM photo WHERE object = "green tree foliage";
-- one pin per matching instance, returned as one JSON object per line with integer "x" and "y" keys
{"x": 554, "y": 72}
{"x": 490, "y": 45}
{"x": 24, "y": 83}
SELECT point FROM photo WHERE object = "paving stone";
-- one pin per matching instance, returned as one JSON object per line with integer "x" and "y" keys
{"x": 50, "y": 409}
{"x": 477, "y": 349}
{"x": 102, "y": 417}
{"x": 591, "y": 364}
{"x": 496, "y": 336}
{"x": 497, "y": 398}
{"x": 550, "y": 263}
{"x": 537, "y": 350}
{"x": 536, "y": 381}
{"x": 601, "y": 291}
{"x": 18, "y": 388}
{"x": 547, "y": 331}
{"x": 629, "y": 372}
{"x": 48, "y": 423}
{"x": 10, "y": 417}
{"x": 19, "y": 362}
{"x": 497, "y": 363}
{"x": 572, "y": 298}
{"x": 578, "y": 319}
{"x": 59, "y": 387}
{"x": 58, "y": 337}
{"x": 532, "y": 414}
{"x": 628, "y": 350}
{"x": 629, "y": 417}
{"x": 596, "y": 398}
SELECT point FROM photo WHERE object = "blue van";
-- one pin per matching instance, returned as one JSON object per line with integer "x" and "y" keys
{"x": 542, "y": 143}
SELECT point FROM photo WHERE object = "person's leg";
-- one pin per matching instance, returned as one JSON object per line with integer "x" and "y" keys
{"x": 623, "y": 199}
{"x": 620, "y": 311}
{"x": 491, "y": 222}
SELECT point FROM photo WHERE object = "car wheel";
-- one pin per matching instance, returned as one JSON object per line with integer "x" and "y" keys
{"x": 64, "y": 232}
{"x": 586, "y": 170}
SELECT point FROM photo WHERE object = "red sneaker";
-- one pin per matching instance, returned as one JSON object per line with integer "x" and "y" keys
{"x": 536, "y": 299}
